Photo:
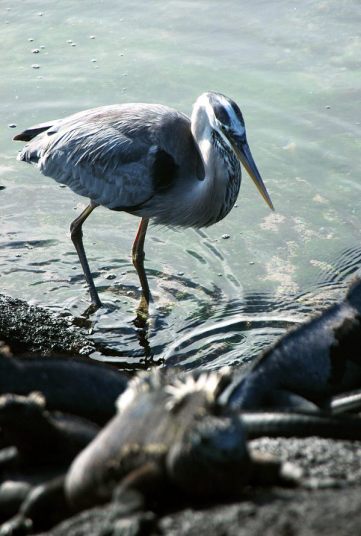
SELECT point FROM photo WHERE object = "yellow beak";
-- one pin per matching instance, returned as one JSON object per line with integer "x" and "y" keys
{"x": 243, "y": 152}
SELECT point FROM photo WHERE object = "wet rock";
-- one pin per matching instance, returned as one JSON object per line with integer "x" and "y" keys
{"x": 30, "y": 329}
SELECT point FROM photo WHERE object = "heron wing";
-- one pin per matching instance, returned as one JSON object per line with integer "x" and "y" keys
{"x": 107, "y": 154}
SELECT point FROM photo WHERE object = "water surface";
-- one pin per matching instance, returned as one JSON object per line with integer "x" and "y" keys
{"x": 294, "y": 69}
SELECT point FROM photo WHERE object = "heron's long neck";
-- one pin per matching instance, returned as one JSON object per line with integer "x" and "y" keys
{"x": 218, "y": 191}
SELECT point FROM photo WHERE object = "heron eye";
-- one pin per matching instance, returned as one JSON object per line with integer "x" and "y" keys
{"x": 221, "y": 115}
{"x": 238, "y": 113}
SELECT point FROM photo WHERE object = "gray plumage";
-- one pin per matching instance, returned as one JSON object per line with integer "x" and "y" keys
{"x": 149, "y": 160}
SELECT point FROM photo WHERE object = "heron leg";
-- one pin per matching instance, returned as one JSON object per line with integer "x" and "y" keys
{"x": 138, "y": 258}
{"x": 76, "y": 234}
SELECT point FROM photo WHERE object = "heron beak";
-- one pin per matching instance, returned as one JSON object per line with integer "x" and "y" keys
{"x": 243, "y": 152}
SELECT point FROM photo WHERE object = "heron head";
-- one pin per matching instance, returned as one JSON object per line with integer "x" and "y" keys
{"x": 224, "y": 116}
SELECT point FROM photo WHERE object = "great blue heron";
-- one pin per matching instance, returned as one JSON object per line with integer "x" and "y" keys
{"x": 149, "y": 160}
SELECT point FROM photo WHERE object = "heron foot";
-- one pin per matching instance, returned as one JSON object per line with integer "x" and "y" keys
{"x": 92, "y": 308}
{"x": 144, "y": 309}
{"x": 147, "y": 317}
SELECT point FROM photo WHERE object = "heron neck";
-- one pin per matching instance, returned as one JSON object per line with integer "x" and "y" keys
{"x": 218, "y": 192}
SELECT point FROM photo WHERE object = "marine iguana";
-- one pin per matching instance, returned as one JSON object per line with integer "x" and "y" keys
{"x": 186, "y": 433}
{"x": 42, "y": 444}
{"x": 170, "y": 437}
{"x": 173, "y": 427}
{"x": 312, "y": 362}
{"x": 167, "y": 438}
{"x": 69, "y": 385}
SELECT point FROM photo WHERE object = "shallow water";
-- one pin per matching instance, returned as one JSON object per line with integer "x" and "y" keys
{"x": 294, "y": 69}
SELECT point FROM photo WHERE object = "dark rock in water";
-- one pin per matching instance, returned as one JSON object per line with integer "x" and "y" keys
{"x": 33, "y": 330}
{"x": 30, "y": 329}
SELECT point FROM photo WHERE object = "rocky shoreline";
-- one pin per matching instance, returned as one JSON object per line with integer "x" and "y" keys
{"x": 29, "y": 329}
{"x": 328, "y": 503}
{"x": 327, "y": 500}
{"x": 325, "y": 505}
